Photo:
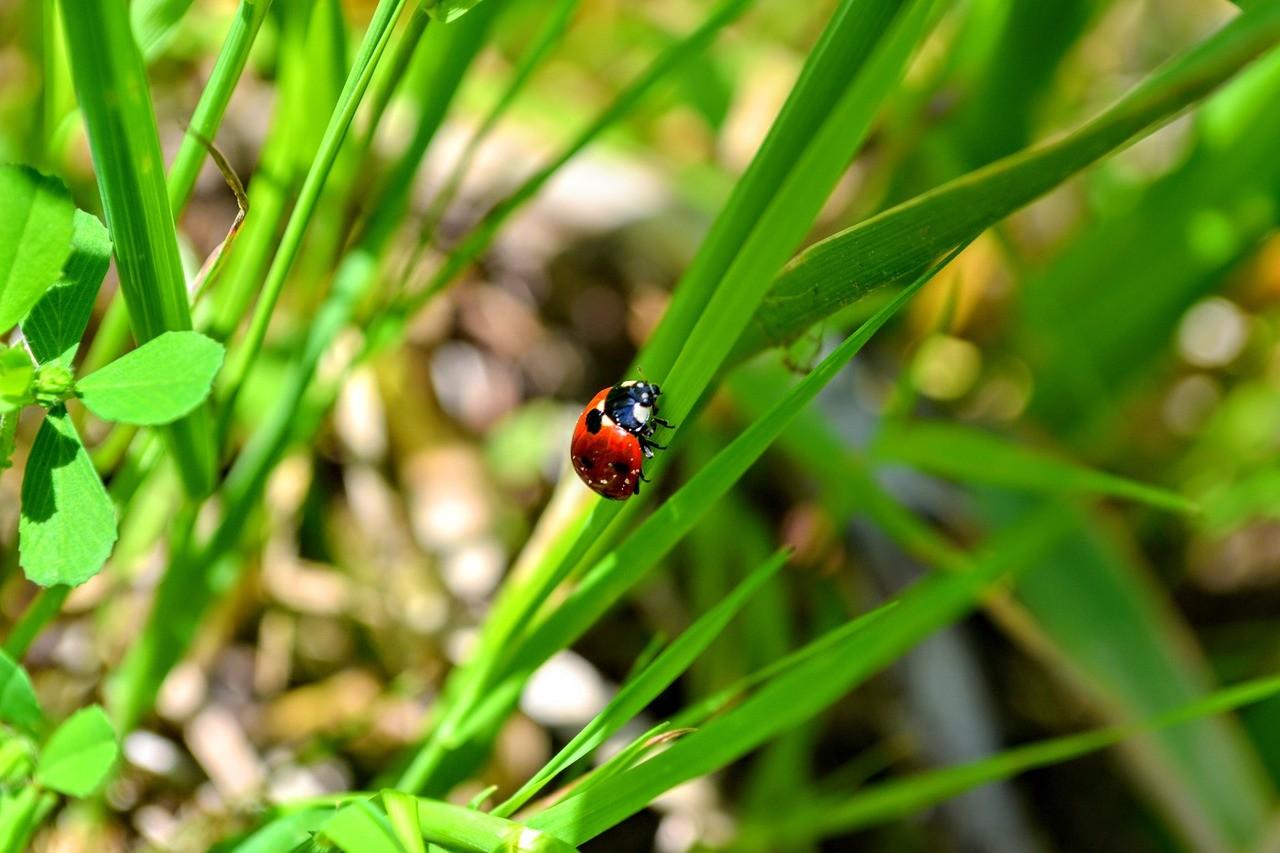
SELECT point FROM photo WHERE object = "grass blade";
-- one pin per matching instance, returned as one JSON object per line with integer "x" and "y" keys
{"x": 371, "y": 48}
{"x": 897, "y": 799}
{"x": 894, "y": 245}
{"x": 798, "y": 693}
{"x": 640, "y": 690}
{"x": 111, "y": 86}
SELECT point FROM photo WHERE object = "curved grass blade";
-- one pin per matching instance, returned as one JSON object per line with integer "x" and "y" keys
{"x": 645, "y": 686}
{"x": 894, "y": 245}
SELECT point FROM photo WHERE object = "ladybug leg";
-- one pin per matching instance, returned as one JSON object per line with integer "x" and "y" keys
{"x": 662, "y": 422}
{"x": 646, "y": 450}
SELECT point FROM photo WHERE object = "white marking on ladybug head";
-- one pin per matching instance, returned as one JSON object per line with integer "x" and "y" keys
{"x": 641, "y": 412}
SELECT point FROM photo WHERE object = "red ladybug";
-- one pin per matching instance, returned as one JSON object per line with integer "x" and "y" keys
{"x": 614, "y": 436}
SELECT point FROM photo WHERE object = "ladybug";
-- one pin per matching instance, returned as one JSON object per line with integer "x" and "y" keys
{"x": 614, "y": 436}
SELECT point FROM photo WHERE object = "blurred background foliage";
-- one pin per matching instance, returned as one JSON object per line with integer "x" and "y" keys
{"x": 1128, "y": 321}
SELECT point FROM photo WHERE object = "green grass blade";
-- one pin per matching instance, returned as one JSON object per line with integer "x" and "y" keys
{"x": 834, "y": 61}
{"x": 402, "y": 810}
{"x": 973, "y": 456}
{"x": 791, "y": 212}
{"x": 214, "y": 99}
{"x": 900, "y": 798}
{"x": 360, "y": 828}
{"x": 1125, "y": 644}
{"x": 640, "y": 690}
{"x": 308, "y": 36}
{"x": 112, "y": 90}
{"x": 154, "y": 21}
{"x": 371, "y": 48}
{"x": 39, "y": 612}
{"x": 471, "y": 831}
{"x": 895, "y": 244}
{"x": 800, "y": 692}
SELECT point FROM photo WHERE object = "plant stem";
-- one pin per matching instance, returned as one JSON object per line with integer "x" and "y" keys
{"x": 44, "y": 607}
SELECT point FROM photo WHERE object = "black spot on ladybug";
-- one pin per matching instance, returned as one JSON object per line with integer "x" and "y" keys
{"x": 593, "y": 421}
{"x": 585, "y": 462}
{"x": 620, "y": 467}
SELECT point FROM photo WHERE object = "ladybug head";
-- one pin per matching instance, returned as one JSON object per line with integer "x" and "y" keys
{"x": 646, "y": 393}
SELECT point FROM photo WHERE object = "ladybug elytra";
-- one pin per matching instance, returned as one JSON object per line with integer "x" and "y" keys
{"x": 614, "y": 436}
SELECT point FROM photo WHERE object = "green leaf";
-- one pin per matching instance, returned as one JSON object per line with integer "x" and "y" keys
{"x": 35, "y": 238}
{"x": 16, "y": 375}
{"x": 793, "y": 695}
{"x": 360, "y": 828}
{"x": 286, "y": 832}
{"x": 402, "y": 809}
{"x": 971, "y": 455}
{"x": 18, "y": 703}
{"x": 642, "y": 689}
{"x": 79, "y": 754}
{"x": 68, "y": 522}
{"x": 158, "y": 382}
{"x": 57, "y": 322}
